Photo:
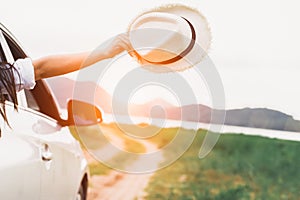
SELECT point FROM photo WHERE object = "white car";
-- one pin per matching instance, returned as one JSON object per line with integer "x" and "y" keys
{"x": 39, "y": 158}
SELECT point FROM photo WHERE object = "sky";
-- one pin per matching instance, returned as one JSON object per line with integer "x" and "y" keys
{"x": 254, "y": 48}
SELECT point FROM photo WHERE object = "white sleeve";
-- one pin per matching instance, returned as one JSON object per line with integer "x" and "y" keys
{"x": 25, "y": 79}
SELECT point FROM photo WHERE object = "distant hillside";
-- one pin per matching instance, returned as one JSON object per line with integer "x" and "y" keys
{"x": 248, "y": 117}
{"x": 262, "y": 118}
{"x": 158, "y": 108}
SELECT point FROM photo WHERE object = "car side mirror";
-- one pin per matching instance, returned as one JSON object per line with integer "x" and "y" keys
{"x": 83, "y": 114}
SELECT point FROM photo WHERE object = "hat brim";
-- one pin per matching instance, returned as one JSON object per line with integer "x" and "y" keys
{"x": 202, "y": 42}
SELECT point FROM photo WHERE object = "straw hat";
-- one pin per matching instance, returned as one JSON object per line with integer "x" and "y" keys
{"x": 169, "y": 38}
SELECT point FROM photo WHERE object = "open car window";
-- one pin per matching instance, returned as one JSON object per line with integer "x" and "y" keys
{"x": 40, "y": 97}
{"x": 14, "y": 49}
{"x": 9, "y": 51}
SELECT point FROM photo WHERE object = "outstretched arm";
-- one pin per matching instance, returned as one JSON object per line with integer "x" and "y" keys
{"x": 61, "y": 64}
{"x": 55, "y": 65}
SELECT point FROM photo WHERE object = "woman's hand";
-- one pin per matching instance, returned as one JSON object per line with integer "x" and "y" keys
{"x": 118, "y": 45}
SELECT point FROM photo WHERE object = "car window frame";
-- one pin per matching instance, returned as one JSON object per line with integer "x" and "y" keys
{"x": 8, "y": 57}
{"x": 41, "y": 91}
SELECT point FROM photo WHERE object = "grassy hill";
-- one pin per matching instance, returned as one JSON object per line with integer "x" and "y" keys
{"x": 239, "y": 167}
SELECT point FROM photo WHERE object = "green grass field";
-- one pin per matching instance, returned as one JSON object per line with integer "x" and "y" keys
{"x": 239, "y": 167}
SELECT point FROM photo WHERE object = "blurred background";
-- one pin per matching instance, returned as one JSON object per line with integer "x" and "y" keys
{"x": 254, "y": 44}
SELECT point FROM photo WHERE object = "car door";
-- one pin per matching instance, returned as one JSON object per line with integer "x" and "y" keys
{"x": 38, "y": 158}
{"x": 20, "y": 159}
{"x": 20, "y": 168}
{"x": 59, "y": 155}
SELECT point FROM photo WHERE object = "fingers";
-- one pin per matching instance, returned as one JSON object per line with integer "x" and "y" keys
{"x": 125, "y": 42}
{"x": 119, "y": 44}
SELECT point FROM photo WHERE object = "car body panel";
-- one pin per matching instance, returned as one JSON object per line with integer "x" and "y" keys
{"x": 39, "y": 158}
{"x": 20, "y": 168}
{"x": 23, "y": 171}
